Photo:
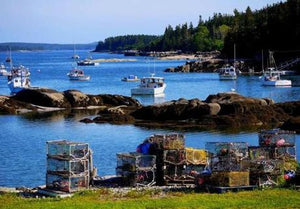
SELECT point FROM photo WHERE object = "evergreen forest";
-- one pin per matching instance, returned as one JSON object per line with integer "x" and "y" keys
{"x": 275, "y": 27}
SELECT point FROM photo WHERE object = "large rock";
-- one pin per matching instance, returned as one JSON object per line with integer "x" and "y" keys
{"x": 292, "y": 124}
{"x": 196, "y": 66}
{"x": 224, "y": 109}
{"x": 77, "y": 98}
{"x": 11, "y": 106}
{"x": 181, "y": 109}
{"x": 71, "y": 98}
{"x": 43, "y": 97}
{"x": 117, "y": 100}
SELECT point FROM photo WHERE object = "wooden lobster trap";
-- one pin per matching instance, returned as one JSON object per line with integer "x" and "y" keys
{"x": 68, "y": 166}
{"x": 136, "y": 169}
{"x": 230, "y": 178}
{"x": 227, "y": 156}
{"x": 168, "y": 141}
{"x": 67, "y": 183}
{"x": 277, "y": 138}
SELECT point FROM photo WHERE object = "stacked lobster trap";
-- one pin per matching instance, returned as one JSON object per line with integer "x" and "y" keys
{"x": 68, "y": 166}
{"x": 136, "y": 169}
{"x": 170, "y": 158}
{"x": 275, "y": 156}
{"x": 226, "y": 161}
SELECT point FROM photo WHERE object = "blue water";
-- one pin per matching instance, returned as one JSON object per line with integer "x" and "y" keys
{"x": 23, "y": 139}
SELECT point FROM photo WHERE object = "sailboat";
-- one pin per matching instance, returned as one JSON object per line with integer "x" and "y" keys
{"x": 75, "y": 56}
{"x": 8, "y": 58}
{"x": 228, "y": 72}
{"x": 271, "y": 76}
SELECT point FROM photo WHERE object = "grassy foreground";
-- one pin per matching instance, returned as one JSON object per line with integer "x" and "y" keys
{"x": 273, "y": 198}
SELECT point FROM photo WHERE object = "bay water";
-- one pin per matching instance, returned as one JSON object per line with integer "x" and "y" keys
{"x": 23, "y": 138}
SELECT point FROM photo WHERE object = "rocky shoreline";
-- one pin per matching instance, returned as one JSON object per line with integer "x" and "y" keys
{"x": 220, "y": 111}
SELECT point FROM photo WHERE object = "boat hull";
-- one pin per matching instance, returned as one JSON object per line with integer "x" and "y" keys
{"x": 149, "y": 91}
{"x": 79, "y": 78}
{"x": 278, "y": 83}
{"x": 18, "y": 84}
{"x": 227, "y": 77}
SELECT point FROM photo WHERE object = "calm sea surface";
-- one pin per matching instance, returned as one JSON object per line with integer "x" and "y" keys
{"x": 23, "y": 138}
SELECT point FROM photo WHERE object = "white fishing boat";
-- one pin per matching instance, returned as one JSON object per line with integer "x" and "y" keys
{"x": 271, "y": 77}
{"x": 3, "y": 71}
{"x": 130, "y": 78}
{"x": 87, "y": 62}
{"x": 227, "y": 73}
{"x": 18, "y": 79}
{"x": 150, "y": 86}
{"x": 78, "y": 75}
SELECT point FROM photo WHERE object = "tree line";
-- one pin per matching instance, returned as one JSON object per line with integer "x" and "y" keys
{"x": 128, "y": 42}
{"x": 274, "y": 27}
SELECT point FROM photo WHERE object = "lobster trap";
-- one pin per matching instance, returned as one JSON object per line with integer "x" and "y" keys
{"x": 67, "y": 149}
{"x": 230, "y": 178}
{"x": 168, "y": 141}
{"x": 277, "y": 137}
{"x": 261, "y": 153}
{"x": 196, "y": 156}
{"x": 176, "y": 157}
{"x": 67, "y": 183}
{"x": 285, "y": 152}
{"x": 227, "y": 156}
{"x": 71, "y": 167}
{"x": 68, "y": 165}
{"x": 136, "y": 169}
{"x": 274, "y": 167}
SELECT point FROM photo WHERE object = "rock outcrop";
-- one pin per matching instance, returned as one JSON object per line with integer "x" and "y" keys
{"x": 224, "y": 109}
{"x": 216, "y": 111}
{"x": 36, "y": 99}
{"x": 196, "y": 66}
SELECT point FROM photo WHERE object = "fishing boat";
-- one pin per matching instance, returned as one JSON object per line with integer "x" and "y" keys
{"x": 271, "y": 77}
{"x": 78, "y": 75}
{"x": 227, "y": 73}
{"x": 130, "y": 78}
{"x": 87, "y": 62}
{"x": 3, "y": 71}
{"x": 18, "y": 79}
{"x": 150, "y": 86}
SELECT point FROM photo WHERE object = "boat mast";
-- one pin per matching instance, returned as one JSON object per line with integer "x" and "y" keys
{"x": 234, "y": 55}
{"x": 262, "y": 60}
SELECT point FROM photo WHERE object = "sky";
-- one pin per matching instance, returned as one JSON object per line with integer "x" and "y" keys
{"x": 86, "y": 21}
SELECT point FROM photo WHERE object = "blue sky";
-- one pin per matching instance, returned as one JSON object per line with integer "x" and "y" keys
{"x": 85, "y": 21}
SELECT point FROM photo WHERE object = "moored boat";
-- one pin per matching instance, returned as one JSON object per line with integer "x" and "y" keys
{"x": 271, "y": 76}
{"x": 227, "y": 73}
{"x": 78, "y": 75}
{"x": 87, "y": 62}
{"x": 150, "y": 86}
{"x": 130, "y": 78}
{"x": 19, "y": 79}
{"x": 3, "y": 71}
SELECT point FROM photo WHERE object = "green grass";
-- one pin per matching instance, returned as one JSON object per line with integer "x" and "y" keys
{"x": 273, "y": 198}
